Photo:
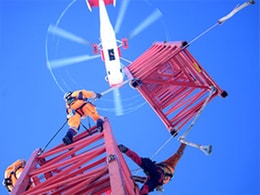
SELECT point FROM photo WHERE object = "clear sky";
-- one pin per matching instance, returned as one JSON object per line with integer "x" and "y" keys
{"x": 32, "y": 106}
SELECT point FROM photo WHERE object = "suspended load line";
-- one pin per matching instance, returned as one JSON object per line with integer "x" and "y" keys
{"x": 223, "y": 19}
{"x": 92, "y": 164}
{"x": 173, "y": 82}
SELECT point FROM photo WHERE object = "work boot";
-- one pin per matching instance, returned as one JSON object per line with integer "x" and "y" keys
{"x": 68, "y": 139}
{"x": 122, "y": 148}
{"x": 100, "y": 125}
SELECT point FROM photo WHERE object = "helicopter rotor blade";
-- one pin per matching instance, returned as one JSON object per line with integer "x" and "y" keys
{"x": 66, "y": 35}
{"x": 69, "y": 61}
{"x": 121, "y": 15}
{"x": 117, "y": 102}
{"x": 156, "y": 14}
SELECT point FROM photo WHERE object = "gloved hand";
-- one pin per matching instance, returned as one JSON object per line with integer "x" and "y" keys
{"x": 71, "y": 113}
{"x": 122, "y": 148}
{"x": 98, "y": 95}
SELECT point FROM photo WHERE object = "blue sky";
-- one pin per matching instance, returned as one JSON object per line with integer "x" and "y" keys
{"x": 32, "y": 106}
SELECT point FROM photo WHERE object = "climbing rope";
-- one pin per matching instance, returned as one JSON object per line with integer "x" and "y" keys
{"x": 42, "y": 150}
{"x": 87, "y": 129}
{"x": 94, "y": 99}
{"x": 161, "y": 148}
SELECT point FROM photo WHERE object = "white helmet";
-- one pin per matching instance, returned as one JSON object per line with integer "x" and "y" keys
{"x": 67, "y": 95}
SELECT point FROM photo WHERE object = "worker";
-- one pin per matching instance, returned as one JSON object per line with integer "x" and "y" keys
{"x": 157, "y": 174}
{"x": 12, "y": 173}
{"x": 79, "y": 106}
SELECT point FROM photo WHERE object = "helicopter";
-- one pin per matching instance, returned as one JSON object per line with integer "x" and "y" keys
{"x": 109, "y": 47}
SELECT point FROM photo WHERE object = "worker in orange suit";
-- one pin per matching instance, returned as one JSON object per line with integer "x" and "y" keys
{"x": 158, "y": 174}
{"x": 12, "y": 173}
{"x": 78, "y": 106}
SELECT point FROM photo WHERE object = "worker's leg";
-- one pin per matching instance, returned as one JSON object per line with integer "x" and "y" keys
{"x": 134, "y": 156}
{"x": 144, "y": 190}
{"x": 155, "y": 179}
{"x": 173, "y": 160}
{"x": 145, "y": 163}
{"x": 73, "y": 122}
{"x": 155, "y": 175}
{"x": 90, "y": 110}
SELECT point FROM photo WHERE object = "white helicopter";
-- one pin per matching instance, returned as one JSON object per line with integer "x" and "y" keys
{"x": 109, "y": 47}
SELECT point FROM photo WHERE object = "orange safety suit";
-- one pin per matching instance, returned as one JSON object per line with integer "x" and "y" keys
{"x": 12, "y": 173}
{"x": 81, "y": 107}
{"x": 169, "y": 165}
{"x": 158, "y": 174}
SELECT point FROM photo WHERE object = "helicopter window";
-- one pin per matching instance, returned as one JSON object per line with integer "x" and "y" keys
{"x": 111, "y": 54}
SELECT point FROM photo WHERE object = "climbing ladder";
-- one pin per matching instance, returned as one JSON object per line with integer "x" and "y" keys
{"x": 91, "y": 165}
{"x": 172, "y": 82}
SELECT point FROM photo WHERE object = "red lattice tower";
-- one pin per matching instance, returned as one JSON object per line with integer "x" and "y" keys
{"x": 172, "y": 82}
{"x": 91, "y": 165}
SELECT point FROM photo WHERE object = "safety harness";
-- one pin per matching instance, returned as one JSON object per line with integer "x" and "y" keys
{"x": 8, "y": 182}
{"x": 70, "y": 100}
{"x": 168, "y": 174}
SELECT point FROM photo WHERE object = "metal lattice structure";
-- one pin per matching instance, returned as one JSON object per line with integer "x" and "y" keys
{"x": 176, "y": 87}
{"x": 92, "y": 164}
{"x": 173, "y": 82}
